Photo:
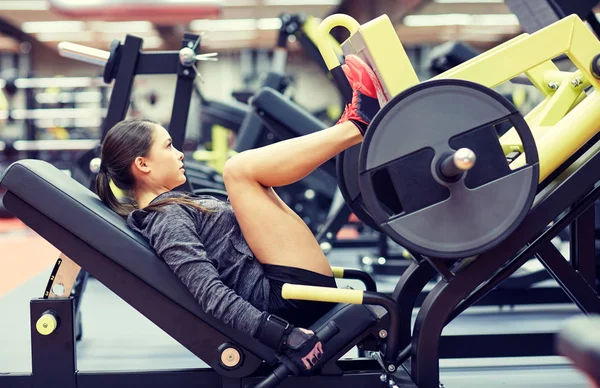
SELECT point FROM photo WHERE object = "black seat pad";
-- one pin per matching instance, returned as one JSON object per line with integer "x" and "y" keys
{"x": 277, "y": 107}
{"x": 228, "y": 115}
{"x": 288, "y": 120}
{"x": 73, "y": 207}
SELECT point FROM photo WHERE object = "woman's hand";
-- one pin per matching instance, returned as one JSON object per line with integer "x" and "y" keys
{"x": 303, "y": 347}
{"x": 315, "y": 354}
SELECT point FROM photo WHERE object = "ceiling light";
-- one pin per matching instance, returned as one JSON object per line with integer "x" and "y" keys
{"x": 223, "y": 25}
{"x": 268, "y": 24}
{"x": 234, "y": 36}
{"x": 24, "y": 5}
{"x": 43, "y": 27}
{"x": 122, "y": 27}
{"x": 235, "y": 24}
{"x": 460, "y": 20}
{"x": 240, "y": 3}
{"x": 301, "y": 2}
{"x": 81, "y": 36}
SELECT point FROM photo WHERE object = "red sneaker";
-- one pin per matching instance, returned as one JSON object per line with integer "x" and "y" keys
{"x": 365, "y": 88}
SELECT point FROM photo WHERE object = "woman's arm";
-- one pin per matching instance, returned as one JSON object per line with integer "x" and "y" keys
{"x": 175, "y": 239}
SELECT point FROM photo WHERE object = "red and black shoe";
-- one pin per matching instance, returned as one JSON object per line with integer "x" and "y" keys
{"x": 365, "y": 89}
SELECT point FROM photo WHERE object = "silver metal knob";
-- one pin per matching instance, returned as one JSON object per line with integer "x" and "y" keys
{"x": 187, "y": 56}
{"x": 95, "y": 165}
{"x": 460, "y": 161}
{"x": 464, "y": 159}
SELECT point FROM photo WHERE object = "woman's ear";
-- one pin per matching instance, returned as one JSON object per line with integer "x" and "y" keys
{"x": 139, "y": 164}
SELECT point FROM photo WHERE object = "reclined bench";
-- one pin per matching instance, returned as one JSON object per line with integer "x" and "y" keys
{"x": 75, "y": 221}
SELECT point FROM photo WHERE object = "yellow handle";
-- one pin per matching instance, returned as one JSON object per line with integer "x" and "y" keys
{"x": 311, "y": 30}
{"x": 328, "y": 24}
{"x": 322, "y": 294}
{"x": 338, "y": 272}
{"x": 46, "y": 324}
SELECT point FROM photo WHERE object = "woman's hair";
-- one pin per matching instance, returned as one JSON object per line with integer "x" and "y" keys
{"x": 124, "y": 142}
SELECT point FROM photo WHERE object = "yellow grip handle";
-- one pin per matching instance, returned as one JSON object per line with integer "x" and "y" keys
{"x": 321, "y": 294}
{"x": 311, "y": 30}
{"x": 324, "y": 42}
{"x": 338, "y": 272}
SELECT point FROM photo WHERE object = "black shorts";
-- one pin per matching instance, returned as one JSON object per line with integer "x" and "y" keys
{"x": 301, "y": 313}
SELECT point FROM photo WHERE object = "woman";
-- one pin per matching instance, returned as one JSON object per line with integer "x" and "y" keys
{"x": 235, "y": 256}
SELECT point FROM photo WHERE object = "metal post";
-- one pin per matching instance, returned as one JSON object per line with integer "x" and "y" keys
{"x": 583, "y": 250}
{"x": 121, "y": 93}
{"x": 183, "y": 92}
{"x": 53, "y": 355}
{"x": 408, "y": 289}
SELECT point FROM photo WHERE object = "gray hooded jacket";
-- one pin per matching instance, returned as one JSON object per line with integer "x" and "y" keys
{"x": 209, "y": 254}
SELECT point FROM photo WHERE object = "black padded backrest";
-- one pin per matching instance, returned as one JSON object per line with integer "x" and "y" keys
{"x": 80, "y": 211}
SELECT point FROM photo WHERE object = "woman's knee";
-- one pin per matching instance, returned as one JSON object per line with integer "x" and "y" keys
{"x": 237, "y": 168}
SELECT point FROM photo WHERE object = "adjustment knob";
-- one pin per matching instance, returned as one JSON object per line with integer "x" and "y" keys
{"x": 95, "y": 165}
{"x": 230, "y": 356}
{"x": 47, "y": 323}
{"x": 187, "y": 56}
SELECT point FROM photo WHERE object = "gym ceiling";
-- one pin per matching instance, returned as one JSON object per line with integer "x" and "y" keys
{"x": 236, "y": 24}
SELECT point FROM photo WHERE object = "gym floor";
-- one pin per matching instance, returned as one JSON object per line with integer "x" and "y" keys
{"x": 117, "y": 337}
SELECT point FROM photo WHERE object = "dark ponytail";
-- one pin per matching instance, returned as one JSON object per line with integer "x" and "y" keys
{"x": 107, "y": 196}
{"x": 124, "y": 142}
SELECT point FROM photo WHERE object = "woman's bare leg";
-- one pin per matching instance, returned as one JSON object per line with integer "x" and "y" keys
{"x": 274, "y": 232}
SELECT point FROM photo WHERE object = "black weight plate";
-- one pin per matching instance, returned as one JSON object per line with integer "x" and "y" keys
{"x": 113, "y": 62}
{"x": 399, "y": 159}
{"x": 347, "y": 179}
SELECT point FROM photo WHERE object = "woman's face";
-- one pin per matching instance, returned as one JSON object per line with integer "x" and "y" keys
{"x": 165, "y": 161}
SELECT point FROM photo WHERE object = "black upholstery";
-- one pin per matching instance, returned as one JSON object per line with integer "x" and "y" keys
{"x": 82, "y": 213}
{"x": 297, "y": 120}
{"x": 228, "y": 115}
{"x": 288, "y": 120}
{"x": 66, "y": 213}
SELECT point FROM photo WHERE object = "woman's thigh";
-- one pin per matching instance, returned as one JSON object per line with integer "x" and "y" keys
{"x": 274, "y": 232}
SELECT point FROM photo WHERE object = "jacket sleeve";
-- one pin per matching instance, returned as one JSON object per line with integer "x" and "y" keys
{"x": 174, "y": 237}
